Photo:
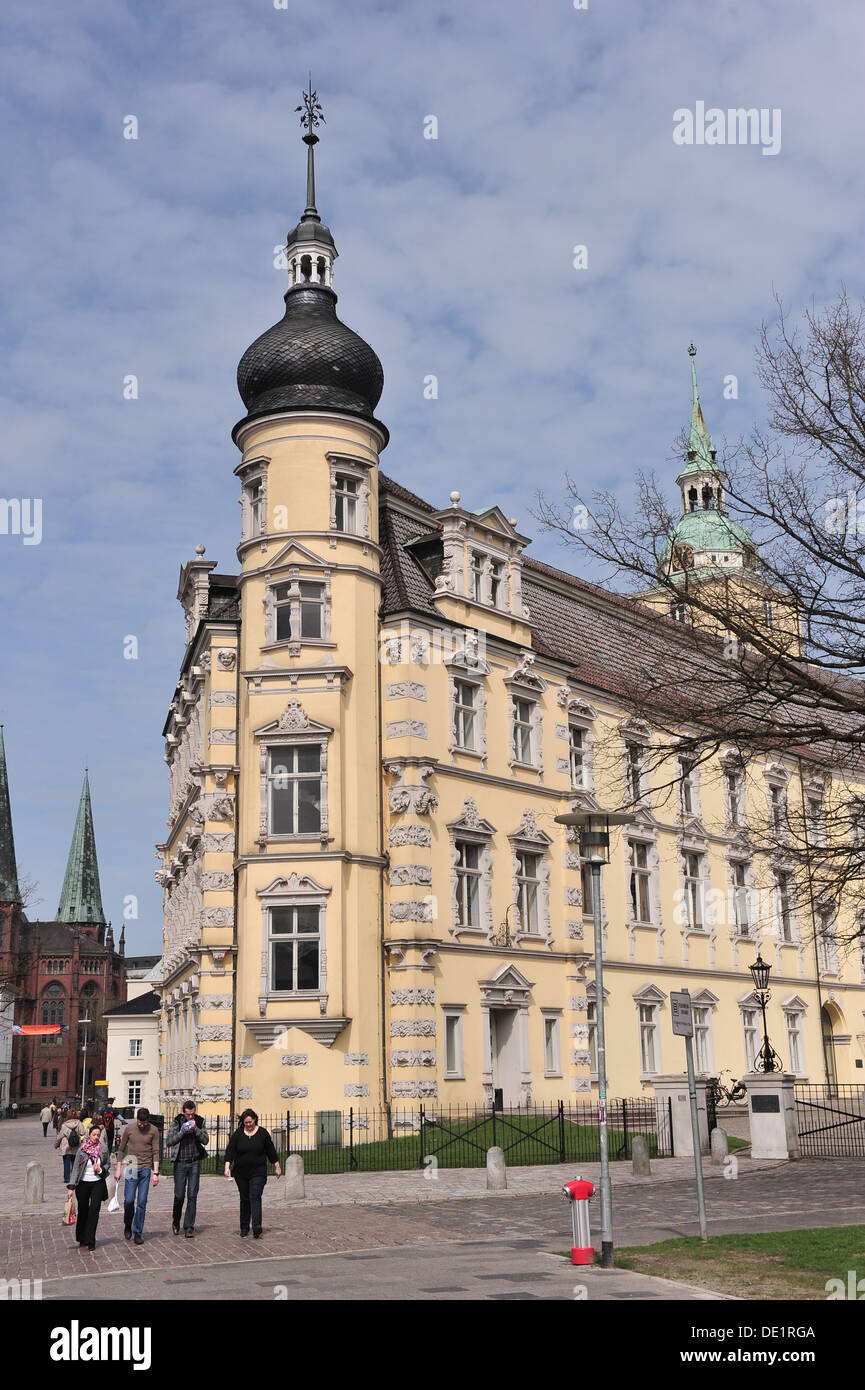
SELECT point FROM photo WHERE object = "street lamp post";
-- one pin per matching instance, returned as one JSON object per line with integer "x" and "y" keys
{"x": 767, "y": 1056}
{"x": 85, "y": 1021}
{"x": 594, "y": 828}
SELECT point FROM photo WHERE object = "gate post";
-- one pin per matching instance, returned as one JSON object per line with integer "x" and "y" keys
{"x": 675, "y": 1090}
{"x": 772, "y": 1107}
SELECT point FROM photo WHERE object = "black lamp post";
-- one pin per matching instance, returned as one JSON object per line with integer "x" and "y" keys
{"x": 767, "y": 1057}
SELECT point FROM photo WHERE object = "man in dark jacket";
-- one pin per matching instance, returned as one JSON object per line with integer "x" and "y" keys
{"x": 187, "y": 1146}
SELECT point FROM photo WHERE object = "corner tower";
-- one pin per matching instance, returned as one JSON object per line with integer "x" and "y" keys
{"x": 309, "y": 858}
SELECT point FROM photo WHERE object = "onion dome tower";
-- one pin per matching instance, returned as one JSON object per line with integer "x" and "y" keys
{"x": 310, "y": 360}
{"x": 706, "y": 540}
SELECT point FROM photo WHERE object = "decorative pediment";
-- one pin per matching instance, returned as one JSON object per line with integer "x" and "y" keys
{"x": 649, "y": 994}
{"x": 740, "y": 846}
{"x": 776, "y": 772}
{"x": 294, "y": 552}
{"x": 294, "y": 720}
{"x": 506, "y": 985}
{"x": 634, "y": 728}
{"x": 749, "y": 1000}
{"x": 470, "y": 819}
{"x": 693, "y": 832}
{"x": 467, "y": 655}
{"x": 794, "y": 1005}
{"x": 705, "y": 999}
{"x": 493, "y": 519}
{"x": 644, "y": 819}
{"x": 268, "y": 1031}
{"x": 524, "y": 674}
{"x": 528, "y": 831}
{"x": 295, "y": 886}
{"x": 581, "y": 801}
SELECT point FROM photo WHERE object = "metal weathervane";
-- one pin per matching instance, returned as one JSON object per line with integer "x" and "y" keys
{"x": 312, "y": 114}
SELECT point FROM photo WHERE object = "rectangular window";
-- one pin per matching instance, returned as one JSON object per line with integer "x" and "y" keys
{"x": 648, "y": 1039}
{"x": 43, "y": 1080}
{"x": 740, "y": 900}
{"x": 827, "y": 958}
{"x": 592, "y": 1021}
{"x": 295, "y": 790}
{"x": 468, "y": 873}
{"x": 785, "y": 913}
{"x": 523, "y": 714}
{"x": 778, "y": 809}
{"x": 135, "y": 1047}
{"x": 640, "y": 876}
{"x": 750, "y": 1037}
{"x": 294, "y": 948}
{"x": 477, "y": 573}
{"x": 256, "y": 509}
{"x": 527, "y": 891}
{"x": 496, "y": 572}
{"x": 133, "y": 1094}
{"x": 299, "y": 611}
{"x": 694, "y": 890}
{"x": 552, "y": 1065}
{"x": 54, "y": 1076}
{"x": 794, "y": 1042}
{"x": 453, "y": 1044}
{"x": 678, "y": 611}
{"x": 734, "y": 791}
{"x": 817, "y": 818}
{"x": 282, "y": 605}
{"x": 702, "y": 1039}
{"x": 465, "y": 714}
{"x": 769, "y": 613}
{"x": 346, "y": 494}
{"x": 576, "y": 750}
{"x": 635, "y": 770}
{"x": 687, "y": 787}
{"x": 311, "y": 610}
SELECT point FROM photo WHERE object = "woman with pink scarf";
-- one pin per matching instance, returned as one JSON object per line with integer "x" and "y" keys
{"x": 87, "y": 1180}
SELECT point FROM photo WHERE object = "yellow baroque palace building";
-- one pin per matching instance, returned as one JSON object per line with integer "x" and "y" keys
{"x": 377, "y": 718}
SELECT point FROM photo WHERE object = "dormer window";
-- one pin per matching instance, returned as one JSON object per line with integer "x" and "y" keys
{"x": 496, "y": 572}
{"x": 477, "y": 576}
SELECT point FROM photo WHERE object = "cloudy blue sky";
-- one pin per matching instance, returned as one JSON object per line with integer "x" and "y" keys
{"x": 154, "y": 257}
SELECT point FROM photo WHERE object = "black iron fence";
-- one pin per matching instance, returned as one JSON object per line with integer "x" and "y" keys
{"x": 831, "y": 1121}
{"x": 366, "y": 1140}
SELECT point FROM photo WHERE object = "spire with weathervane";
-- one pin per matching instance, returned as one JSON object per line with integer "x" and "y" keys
{"x": 81, "y": 898}
{"x": 309, "y": 251}
{"x": 9, "y": 890}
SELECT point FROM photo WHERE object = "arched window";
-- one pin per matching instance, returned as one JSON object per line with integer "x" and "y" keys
{"x": 53, "y": 1005}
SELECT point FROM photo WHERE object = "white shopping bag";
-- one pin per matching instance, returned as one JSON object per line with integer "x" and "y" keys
{"x": 113, "y": 1205}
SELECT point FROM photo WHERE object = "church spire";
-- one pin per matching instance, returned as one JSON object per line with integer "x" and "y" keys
{"x": 81, "y": 898}
{"x": 9, "y": 890}
{"x": 310, "y": 251}
{"x": 701, "y": 452}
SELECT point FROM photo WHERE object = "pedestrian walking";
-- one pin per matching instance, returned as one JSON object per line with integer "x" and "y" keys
{"x": 108, "y": 1113}
{"x": 14, "y": 1108}
{"x": 139, "y": 1147}
{"x": 87, "y": 1181}
{"x": 246, "y": 1158}
{"x": 45, "y": 1118}
{"x": 187, "y": 1145}
{"x": 68, "y": 1142}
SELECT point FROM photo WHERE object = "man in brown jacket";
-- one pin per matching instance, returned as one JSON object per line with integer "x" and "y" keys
{"x": 138, "y": 1158}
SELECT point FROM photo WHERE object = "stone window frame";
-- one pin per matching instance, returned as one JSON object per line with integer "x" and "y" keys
{"x": 528, "y": 839}
{"x": 786, "y": 868}
{"x": 580, "y": 715}
{"x": 650, "y": 996}
{"x": 816, "y": 789}
{"x": 296, "y": 574}
{"x": 635, "y": 733}
{"x": 295, "y": 890}
{"x": 553, "y": 1016}
{"x": 694, "y": 782}
{"x": 523, "y": 683}
{"x": 795, "y": 1007}
{"x": 643, "y": 830}
{"x": 351, "y": 466}
{"x": 705, "y": 999}
{"x": 254, "y": 472}
{"x": 732, "y": 765}
{"x": 777, "y": 777}
{"x": 472, "y": 829}
{"x": 826, "y": 928}
{"x": 592, "y": 1025}
{"x": 293, "y": 729}
{"x": 751, "y": 1004}
{"x": 488, "y": 555}
{"x": 470, "y": 669}
{"x": 695, "y": 841}
{"x": 456, "y": 1013}
{"x": 741, "y": 855}
{"x": 53, "y": 999}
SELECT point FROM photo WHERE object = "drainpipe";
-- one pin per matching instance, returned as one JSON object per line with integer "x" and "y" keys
{"x": 384, "y": 857}
{"x": 813, "y": 923}
{"x": 234, "y": 941}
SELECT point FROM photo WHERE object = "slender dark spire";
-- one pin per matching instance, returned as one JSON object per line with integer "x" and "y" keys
{"x": 311, "y": 118}
{"x": 9, "y": 890}
{"x": 81, "y": 898}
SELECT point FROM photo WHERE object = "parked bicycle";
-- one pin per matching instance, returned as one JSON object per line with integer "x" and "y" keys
{"x": 729, "y": 1094}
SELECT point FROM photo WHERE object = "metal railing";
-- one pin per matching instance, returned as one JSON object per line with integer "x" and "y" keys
{"x": 390, "y": 1140}
{"x": 831, "y": 1120}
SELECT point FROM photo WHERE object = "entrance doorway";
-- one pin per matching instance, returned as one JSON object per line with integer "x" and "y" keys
{"x": 505, "y": 1053}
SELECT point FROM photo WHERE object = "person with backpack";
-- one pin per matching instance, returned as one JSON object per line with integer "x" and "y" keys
{"x": 108, "y": 1114}
{"x": 187, "y": 1145}
{"x": 68, "y": 1140}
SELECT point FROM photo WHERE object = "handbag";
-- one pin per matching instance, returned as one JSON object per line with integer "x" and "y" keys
{"x": 69, "y": 1213}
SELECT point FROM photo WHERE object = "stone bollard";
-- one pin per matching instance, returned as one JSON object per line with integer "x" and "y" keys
{"x": 293, "y": 1178}
{"x": 640, "y": 1165}
{"x": 718, "y": 1146}
{"x": 34, "y": 1185}
{"x": 497, "y": 1173}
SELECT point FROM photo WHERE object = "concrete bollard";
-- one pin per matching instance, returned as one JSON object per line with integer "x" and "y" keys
{"x": 497, "y": 1173}
{"x": 718, "y": 1146}
{"x": 640, "y": 1165}
{"x": 34, "y": 1185}
{"x": 293, "y": 1178}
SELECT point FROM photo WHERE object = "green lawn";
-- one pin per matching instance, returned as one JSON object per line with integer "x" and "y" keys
{"x": 774, "y": 1264}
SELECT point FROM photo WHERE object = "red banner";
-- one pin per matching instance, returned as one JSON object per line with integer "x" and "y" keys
{"x": 28, "y": 1028}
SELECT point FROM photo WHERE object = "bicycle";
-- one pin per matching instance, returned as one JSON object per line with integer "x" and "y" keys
{"x": 727, "y": 1095}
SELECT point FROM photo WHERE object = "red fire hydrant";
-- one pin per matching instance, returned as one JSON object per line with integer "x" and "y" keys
{"x": 578, "y": 1193}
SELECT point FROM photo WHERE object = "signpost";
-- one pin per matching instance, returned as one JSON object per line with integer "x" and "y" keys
{"x": 683, "y": 1027}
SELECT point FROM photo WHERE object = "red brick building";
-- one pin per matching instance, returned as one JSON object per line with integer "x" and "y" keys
{"x": 61, "y": 972}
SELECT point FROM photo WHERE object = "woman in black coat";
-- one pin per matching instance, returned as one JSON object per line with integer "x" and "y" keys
{"x": 87, "y": 1181}
{"x": 246, "y": 1158}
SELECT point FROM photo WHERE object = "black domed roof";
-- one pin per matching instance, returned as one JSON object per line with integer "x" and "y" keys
{"x": 310, "y": 361}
